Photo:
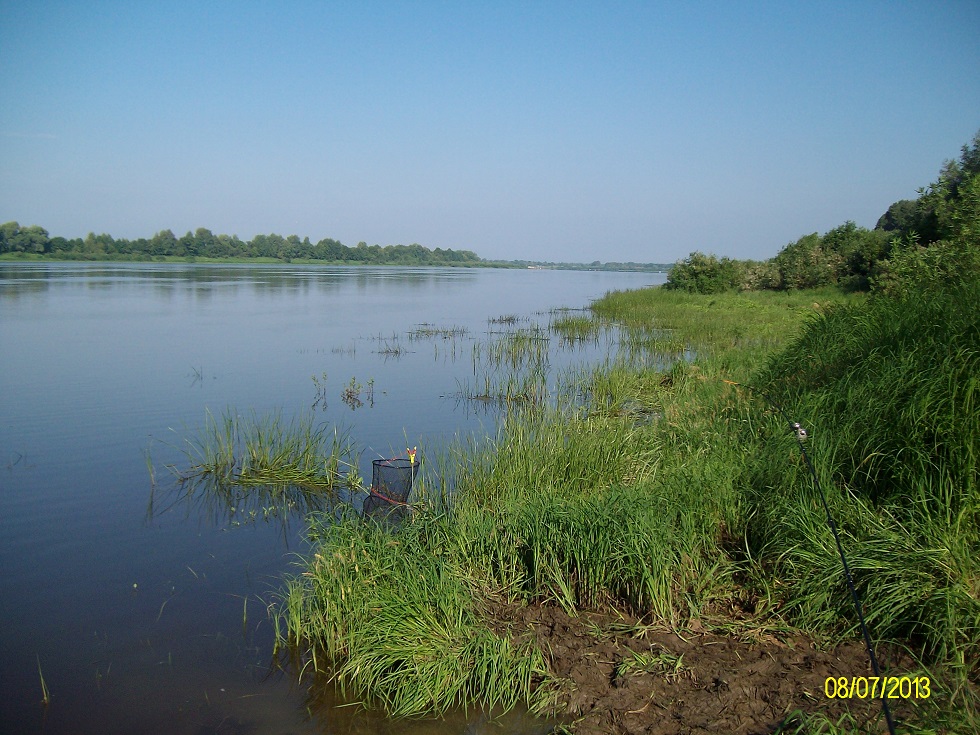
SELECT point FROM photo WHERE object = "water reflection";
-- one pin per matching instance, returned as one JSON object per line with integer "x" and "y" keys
{"x": 167, "y": 279}
{"x": 332, "y": 712}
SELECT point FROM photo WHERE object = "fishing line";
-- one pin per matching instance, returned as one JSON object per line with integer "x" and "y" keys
{"x": 800, "y": 433}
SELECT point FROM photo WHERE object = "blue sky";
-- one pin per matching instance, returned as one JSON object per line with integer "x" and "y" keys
{"x": 549, "y": 131}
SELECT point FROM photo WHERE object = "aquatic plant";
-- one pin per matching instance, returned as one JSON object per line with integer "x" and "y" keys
{"x": 429, "y": 331}
{"x": 320, "y": 398}
{"x": 250, "y": 468}
{"x": 351, "y": 394}
{"x": 252, "y": 450}
{"x": 574, "y": 329}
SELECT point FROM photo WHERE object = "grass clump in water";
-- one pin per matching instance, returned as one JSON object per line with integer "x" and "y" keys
{"x": 247, "y": 468}
{"x": 238, "y": 450}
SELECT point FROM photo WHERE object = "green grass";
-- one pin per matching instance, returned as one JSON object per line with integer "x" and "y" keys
{"x": 248, "y": 467}
{"x": 45, "y": 693}
{"x": 580, "y": 500}
{"x": 891, "y": 394}
{"x": 251, "y": 450}
{"x": 392, "y": 615}
{"x": 574, "y": 329}
{"x": 652, "y": 484}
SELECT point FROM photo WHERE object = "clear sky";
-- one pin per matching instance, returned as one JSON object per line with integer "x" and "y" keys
{"x": 548, "y": 131}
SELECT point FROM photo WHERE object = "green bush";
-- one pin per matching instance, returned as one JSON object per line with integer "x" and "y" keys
{"x": 700, "y": 273}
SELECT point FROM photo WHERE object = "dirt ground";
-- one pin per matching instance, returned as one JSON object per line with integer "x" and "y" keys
{"x": 624, "y": 678}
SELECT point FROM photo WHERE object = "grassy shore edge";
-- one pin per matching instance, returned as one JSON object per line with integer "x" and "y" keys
{"x": 638, "y": 496}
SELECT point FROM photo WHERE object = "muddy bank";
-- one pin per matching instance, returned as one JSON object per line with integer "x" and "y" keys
{"x": 622, "y": 677}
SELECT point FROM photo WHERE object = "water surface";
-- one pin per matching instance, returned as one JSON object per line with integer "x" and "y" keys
{"x": 151, "y": 620}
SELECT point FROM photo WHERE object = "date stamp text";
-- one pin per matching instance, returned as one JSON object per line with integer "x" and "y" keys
{"x": 877, "y": 687}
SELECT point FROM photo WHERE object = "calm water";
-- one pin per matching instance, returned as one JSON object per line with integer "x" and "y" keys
{"x": 137, "y": 615}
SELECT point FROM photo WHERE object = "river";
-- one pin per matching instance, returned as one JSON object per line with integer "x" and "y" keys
{"x": 140, "y": 612}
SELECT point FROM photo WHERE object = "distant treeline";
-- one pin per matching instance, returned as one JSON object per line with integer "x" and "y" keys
{"x": 936, "y": 233}
{"x": 203, "y": 244}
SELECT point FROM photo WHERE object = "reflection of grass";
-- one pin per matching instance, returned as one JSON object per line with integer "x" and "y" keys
{"x": 391, "y": 348}
{"x": 351, "y": 395}
{"x": 45, "y": 694}
{"x": 320, "y": 399}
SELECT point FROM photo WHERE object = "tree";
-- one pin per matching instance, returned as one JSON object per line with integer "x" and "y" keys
{"x": 17, "y": 239}
{"x": 859, "y": 251}
{"x": 700, "y": 273}
{"x": 949, "y": 195}
{"x": 328, "y": 249}
{"x": 98, "y": 244}
{"x": 202, "y": 242}
{"x": 163, "y": 243}
{"x": 900, "y": 216}
{"x": 805, "y": 264}
{"x": 950, "y": 252}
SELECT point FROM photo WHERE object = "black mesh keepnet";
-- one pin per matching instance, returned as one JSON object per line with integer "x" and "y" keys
{"x": 392, "y": 479}
{"x": 391, "y": 484}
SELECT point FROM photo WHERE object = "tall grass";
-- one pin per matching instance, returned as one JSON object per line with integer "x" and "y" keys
{"x": 612, "y": 491}
{"x": 393, "y": 615}
{"x": 891, "y": 395}
{"x": 248, "y": 468}
{"x": 664, "y": 490}
{"x": 251, "y": 450}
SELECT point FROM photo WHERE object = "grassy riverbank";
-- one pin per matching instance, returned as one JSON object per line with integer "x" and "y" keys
{"x": 654, "y": 487}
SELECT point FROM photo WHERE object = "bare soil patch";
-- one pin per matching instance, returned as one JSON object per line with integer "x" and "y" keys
{"x": 623, "y": 678}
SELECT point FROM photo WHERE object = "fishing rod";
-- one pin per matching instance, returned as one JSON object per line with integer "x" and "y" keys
{"x": 800, "y": 433}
